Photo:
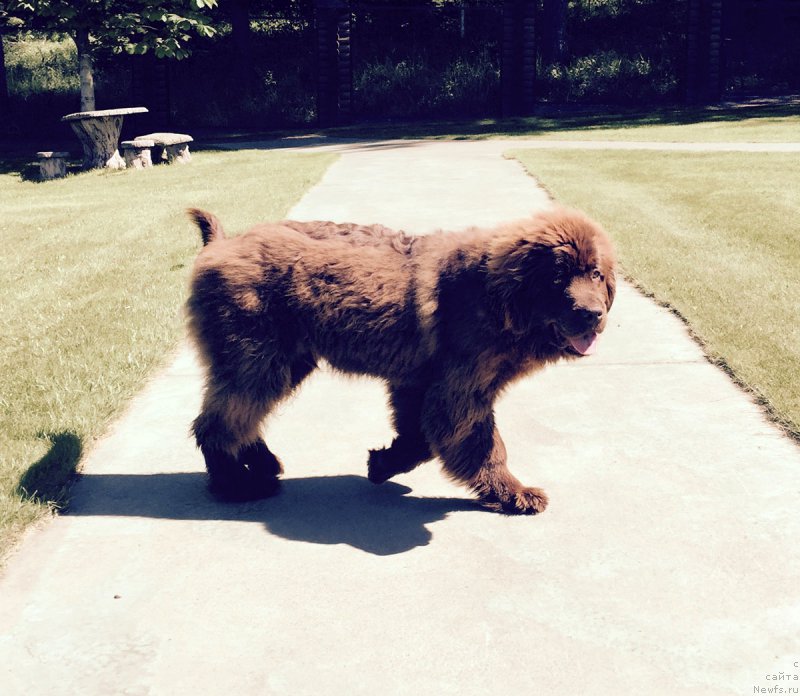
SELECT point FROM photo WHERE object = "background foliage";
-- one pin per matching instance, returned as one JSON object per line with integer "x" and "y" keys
{"x": 254, "y": 64}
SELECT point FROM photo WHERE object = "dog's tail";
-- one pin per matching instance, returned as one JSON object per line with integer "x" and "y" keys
{"x": 210, "y": 226}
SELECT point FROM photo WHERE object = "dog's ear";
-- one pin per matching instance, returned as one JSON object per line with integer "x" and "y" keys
{"x": 611, "y": 287}
{"x": 525, "y": 278}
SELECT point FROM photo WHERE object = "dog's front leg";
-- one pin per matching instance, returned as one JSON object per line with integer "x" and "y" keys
{"x": 463, "y": 433}
{"x": 498, "y": 489}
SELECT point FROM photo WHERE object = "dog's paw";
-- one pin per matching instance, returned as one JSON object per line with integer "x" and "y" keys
{"x": 249, "y": 476}
{"x": 379, "y": 470}
{"x": 259, "y": 460}
{"x": 530, "y": 501}
{"x": 404, "y": 455}
{"x": 525, "y": 501}
{"x": 243, "y": 486}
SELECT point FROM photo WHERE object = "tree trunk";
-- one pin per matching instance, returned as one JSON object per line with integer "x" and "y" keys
{"x": 334, "y": 62}
{"x": 518, "y": 66}
{"x": 554, "y": 31}
{"x": 5, "y": 100}
{"x": 693, "y": 88}
{"x": 242, "y": 37}
{"x": 81, "y": 39}
{"x": 240, "y": 26}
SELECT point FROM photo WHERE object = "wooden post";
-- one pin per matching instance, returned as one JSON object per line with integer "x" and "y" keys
{"x": 334, "y": 62}
{"x": 528, "y": 85}
{"x": 704, "y": 64}
{"x": 715, "y": 52}
{"x": 693, "y": 88}
{"x": 518, "y": 66}
{"x": 344, "y": 64}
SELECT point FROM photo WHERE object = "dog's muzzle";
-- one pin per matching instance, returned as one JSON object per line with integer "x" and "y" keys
{"x": 580, "y": 329}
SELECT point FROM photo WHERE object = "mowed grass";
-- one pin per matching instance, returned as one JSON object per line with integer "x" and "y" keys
{"x": 712, "y": 126}
{"x": 716, "y": 236}
{"x": 754, "y": 124}
{"x": 95, "y": 269}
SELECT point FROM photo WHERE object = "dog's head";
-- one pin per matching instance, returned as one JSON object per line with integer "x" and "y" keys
{"x": 553, "y": 278}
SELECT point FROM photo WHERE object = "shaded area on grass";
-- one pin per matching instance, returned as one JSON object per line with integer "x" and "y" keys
{"x": 552, "y": 120}
{"x": 764, "y": 120}
{"x": 48, "y": 479}
{"x": 381, "y": 520}
{"x": 17, "y": 165}
{"x": 776, "y": 120}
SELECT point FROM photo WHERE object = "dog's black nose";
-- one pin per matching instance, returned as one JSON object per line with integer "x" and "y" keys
{"x": 590, "y": 317}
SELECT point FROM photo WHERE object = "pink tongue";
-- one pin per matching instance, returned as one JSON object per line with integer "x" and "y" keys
{"x": 585, "y": 345}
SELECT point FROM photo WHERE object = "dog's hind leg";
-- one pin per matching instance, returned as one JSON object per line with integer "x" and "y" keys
{"x": 239, "y": 463}
{"x": 410, "y": 448}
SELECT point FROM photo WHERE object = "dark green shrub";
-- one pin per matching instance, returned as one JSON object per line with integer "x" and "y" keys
{"x": 470, "y": 85}
{"x": 391, "y": 89}
{"x": 277, "y": 88}
{"x": 608, "y": 77}
{"x": 37, "y": 65}
{"x": 416, "y": 87}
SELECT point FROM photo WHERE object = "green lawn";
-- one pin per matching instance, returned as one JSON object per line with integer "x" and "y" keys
{"x": 95, "y": 268}
{"x": 774, "y": 123}
{"x": 715, "y": 236}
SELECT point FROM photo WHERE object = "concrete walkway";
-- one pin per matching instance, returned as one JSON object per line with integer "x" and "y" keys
{"x": 668, "y": 561}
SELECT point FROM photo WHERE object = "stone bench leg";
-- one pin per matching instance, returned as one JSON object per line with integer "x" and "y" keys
{"x": 178, "y": 153}
{"x": 138, "y": 157}
{"x": 52, "y": 165}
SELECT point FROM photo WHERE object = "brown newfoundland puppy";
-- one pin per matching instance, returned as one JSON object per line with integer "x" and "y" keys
{"x": 446, "y": 320}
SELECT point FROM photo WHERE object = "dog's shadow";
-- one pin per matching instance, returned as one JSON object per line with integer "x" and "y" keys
{"x": 382, "y": 520}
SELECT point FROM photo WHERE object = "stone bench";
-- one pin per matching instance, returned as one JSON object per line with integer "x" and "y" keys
{"x": 174, "y": 147}
{"x": 52, "y": 165}
{"x": 137, "y": 153}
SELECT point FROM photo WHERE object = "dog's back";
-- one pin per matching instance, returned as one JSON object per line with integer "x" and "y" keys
{"x": 326, "y": 295}
{"x": 356, "y": 234}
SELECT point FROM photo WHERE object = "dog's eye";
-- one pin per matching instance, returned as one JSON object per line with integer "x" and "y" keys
{"x": 597, "y": 275}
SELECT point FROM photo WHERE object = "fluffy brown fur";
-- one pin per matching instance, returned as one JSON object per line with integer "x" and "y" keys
{"x": 446, "y": 320}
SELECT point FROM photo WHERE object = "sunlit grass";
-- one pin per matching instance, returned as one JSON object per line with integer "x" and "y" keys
{"x": 714, "y": 235}
{"x": 94, "y": 277}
